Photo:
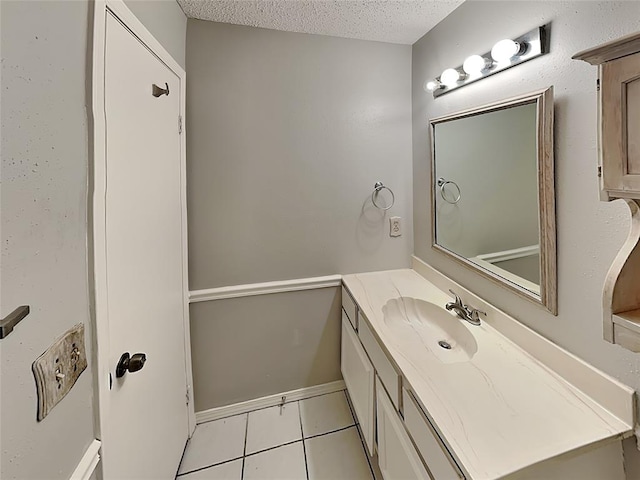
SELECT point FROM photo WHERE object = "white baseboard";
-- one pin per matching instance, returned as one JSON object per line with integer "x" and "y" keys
{"x": 265, "y": 288}
{"x": 268, "y": 401}
{"x": 88, "y": 462}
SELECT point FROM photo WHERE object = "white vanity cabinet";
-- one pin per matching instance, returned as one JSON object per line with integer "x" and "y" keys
{"x": 397, "y": 458}
{"x": 375, "y": 387}
{"x": 499, "y": 415}
{"x": 358, "y": 375}
{"x": 435, "y": 454}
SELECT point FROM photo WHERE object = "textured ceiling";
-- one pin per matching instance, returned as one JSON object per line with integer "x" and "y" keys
{"x": 393, "y": 21}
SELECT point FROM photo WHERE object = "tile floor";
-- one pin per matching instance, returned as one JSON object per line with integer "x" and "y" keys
{"x": 311, "y": 439}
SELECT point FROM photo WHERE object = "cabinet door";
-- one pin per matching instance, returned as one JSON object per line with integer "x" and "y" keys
{"x": 430, "y": 447}
{"x": 620, "y": 97}
{"x": 358, "y": 375}
{"x": 397, "y": 458}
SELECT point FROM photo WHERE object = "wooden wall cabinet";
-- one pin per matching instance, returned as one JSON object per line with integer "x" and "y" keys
{"x": 619, "y": 169}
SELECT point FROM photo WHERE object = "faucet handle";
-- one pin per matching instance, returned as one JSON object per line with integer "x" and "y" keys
{"x": 474, "y": 314}
{"x": 458, "y": 300}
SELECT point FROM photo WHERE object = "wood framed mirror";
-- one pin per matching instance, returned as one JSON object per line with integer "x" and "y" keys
{"x": 493, "y": 196}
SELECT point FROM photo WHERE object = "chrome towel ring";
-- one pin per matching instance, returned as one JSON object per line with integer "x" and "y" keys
{"x": 377, "y": 188}
{"x": 442, "y": 183}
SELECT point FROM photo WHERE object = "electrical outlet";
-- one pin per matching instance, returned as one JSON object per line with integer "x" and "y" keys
{"x": 395, "y": 227}
{"x": 58, "y": 369}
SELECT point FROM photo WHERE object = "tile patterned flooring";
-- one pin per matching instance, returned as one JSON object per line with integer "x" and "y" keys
{"x": 310, "y": 439}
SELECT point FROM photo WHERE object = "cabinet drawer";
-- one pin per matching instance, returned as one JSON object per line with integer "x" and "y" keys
{"x": 390, "y": 378}
{"x": 431, "y": 448}
{"x": 349, "y": 307}
{"x": 358, "y": 376}
{"x": 397, "y": 458}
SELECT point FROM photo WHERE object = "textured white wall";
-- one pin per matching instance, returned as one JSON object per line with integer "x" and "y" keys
{"x": 45, "y": 158}
{"x": 44, "y": 216}
{"x": 590, "y": 232}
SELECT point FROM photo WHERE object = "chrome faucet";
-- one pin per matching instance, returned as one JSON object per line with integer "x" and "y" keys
{"x": 465, "y": 312}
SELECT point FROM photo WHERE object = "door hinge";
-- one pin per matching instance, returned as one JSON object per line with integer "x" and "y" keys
{"x": 597, "y": 85}
{"x": 188, "y": 394}
{"x": 599, "y": 170}
{"x": 179, "y": 123}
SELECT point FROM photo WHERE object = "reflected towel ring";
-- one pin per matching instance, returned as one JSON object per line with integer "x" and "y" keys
{"x": 443, "y": 183}
{"x": 379, "y": 186}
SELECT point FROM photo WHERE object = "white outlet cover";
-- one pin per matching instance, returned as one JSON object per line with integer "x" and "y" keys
{"x": 395, "y": 226}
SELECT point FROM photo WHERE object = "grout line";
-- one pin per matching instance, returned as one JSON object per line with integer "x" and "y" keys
{"x": 184, "y": 450}
{"x": 272, "y": 448}
{"x": 351, "y": 409}
{"x": 244, "y": 451}
{"x": 331, "y": 431}
{"x": 304, "y": 447}
{"x": 357, "y": 425}
{"x": 245, "y": 455}
{"x": 246, "y": 426}
{"x": 366, "y": 453}
{"x": 208, "y": 466}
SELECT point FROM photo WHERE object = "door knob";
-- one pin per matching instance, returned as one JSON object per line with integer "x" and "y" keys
{"x": 130, "y": 363}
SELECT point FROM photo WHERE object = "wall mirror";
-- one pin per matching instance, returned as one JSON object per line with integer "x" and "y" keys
{"x": 493, "y": 199}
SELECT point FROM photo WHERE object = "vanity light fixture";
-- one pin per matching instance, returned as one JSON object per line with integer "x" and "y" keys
{"x": 476, "y": 64}
{"x": 506, "y": 49}
{"x": 431, "y": 85}
{"x": 505, "y": 54}
{"x": 450, "y": 77}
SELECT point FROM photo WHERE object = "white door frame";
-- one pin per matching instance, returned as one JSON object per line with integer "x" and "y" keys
{"x": 97, "y": 226}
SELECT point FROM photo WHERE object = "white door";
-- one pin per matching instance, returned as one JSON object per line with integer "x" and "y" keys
{"x": 147, "y": 422}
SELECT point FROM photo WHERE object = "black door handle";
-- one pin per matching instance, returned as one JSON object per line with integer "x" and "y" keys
{"x": 128, "y": 363}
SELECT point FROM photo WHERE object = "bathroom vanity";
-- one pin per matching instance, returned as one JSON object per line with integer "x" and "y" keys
{"x": 439, "y": 398}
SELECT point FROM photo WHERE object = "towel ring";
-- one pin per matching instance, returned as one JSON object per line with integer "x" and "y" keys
{"x": 379, "y": 186}
{"x": 442, "y": 183}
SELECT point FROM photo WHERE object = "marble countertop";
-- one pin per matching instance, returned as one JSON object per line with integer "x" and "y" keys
{"x": 499, "y": 412}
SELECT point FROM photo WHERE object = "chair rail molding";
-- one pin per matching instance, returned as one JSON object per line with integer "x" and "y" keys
{"x": 265, "y": 288}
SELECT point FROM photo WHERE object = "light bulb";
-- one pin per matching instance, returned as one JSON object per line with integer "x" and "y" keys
{"x": 505, "y": 50}
{"x": 450, "y": 77}
{"x": 475, "y": 64}
{"x": 431, "y": 85}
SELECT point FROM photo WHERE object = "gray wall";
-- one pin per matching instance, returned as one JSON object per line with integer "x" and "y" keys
{"x": 166, "y": 22}
{"x": 590, "y": 233}
{"x": 287, "y": 134}
{"x": 244, "y": 348}
{"x": 45, "y": 157}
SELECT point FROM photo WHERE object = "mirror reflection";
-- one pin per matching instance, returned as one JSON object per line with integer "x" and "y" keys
{"x": 486, "y": 169}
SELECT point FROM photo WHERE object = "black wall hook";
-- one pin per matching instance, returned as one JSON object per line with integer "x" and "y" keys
{"x": 156, "y": 91}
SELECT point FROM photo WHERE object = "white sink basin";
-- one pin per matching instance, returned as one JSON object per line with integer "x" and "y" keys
{"x": 420, "y": 324}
